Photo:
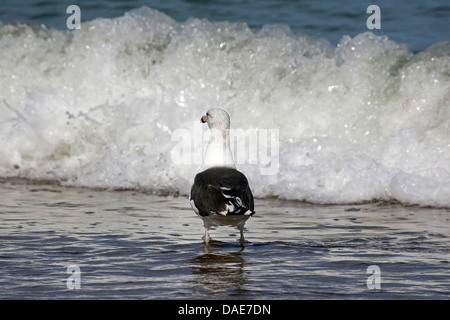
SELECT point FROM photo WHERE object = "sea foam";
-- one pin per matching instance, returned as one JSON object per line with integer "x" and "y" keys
{"x": 97, "y": 107}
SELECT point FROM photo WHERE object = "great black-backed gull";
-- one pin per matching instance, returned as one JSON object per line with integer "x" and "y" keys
{"x": 220, "y": 194}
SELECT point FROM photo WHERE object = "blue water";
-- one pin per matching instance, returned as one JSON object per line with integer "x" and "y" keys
{"x": 417, "y": 23}
{"x": 129, "y": 245}
{"x": 95, "y": 108}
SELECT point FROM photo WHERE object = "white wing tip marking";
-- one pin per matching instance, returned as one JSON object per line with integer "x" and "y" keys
{"x": 193, "y": 206}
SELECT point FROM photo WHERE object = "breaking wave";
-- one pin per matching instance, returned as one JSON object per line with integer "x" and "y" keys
{"x": 97, "y": 107}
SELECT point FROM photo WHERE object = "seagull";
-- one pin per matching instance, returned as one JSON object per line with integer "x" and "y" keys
{"x": 220, "y": 195}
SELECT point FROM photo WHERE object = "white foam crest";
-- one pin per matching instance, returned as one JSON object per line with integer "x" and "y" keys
{"x": 96, "y": 107}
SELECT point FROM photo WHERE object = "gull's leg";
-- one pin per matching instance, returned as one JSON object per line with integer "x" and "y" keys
{"x": 241, "y": 229}
{"x": 206, "y": 238}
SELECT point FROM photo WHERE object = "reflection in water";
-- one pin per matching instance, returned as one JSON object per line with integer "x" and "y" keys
{"x": 134, "y": 245}
{"x": 219, "y": 275}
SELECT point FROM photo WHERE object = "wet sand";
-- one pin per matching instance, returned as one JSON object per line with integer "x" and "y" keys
{"x": 131, "y": 245}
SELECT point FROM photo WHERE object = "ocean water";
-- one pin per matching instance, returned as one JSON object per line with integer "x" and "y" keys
{"x": 418, "y": 24}
{"x": 365, "y": 119}
{"x": 131, "y": 245}
{"x": 343, "y": 133}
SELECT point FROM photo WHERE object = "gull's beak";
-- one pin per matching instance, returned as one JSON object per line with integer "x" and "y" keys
{"x": 204, "y": 119}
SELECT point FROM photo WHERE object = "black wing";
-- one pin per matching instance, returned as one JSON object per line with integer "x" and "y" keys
{"x": 222, "y": 190}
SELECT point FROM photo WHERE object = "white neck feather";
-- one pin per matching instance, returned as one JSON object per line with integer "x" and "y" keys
{"x": 218, "y": 151}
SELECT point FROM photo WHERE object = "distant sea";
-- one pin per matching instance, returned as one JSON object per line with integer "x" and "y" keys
{"x": 416, "y": 23}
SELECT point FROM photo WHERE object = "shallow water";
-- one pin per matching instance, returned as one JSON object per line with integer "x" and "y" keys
{"x": 129, "y": 244}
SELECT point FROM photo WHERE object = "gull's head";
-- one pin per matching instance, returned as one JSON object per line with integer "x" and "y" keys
{"x": 217, "y": 118}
